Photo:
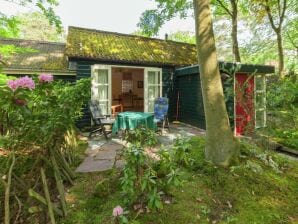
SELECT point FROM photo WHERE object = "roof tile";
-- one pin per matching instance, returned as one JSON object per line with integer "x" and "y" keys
{"x": 102, "y": 45}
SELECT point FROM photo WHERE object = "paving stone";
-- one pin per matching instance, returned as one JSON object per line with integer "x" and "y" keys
{"x": 111, "y": 146}
{"x": 109, "y": 154}
{"x": 91, "y": 165}
{"x": 101, "y": 154}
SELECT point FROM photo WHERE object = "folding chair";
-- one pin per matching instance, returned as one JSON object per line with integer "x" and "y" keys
{"x": 161, "y": 106}
{"x": 99, "y": 120}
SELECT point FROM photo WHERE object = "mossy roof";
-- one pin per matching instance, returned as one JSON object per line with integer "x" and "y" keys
{"x": 32, "y": 55}
{"x": 116, "y": 47}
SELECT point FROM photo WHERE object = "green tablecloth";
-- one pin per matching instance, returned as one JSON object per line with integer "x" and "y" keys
{"x": 131, "y": 120}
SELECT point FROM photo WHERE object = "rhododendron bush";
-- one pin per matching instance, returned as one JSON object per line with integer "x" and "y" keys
{"x": 37, "y": 122}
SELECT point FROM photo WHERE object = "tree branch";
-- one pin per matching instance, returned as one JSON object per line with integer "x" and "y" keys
{"x": 224, "y": 7}
{"x": 268, "y": 10}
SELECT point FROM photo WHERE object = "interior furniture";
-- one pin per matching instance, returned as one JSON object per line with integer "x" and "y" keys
{"x": 99, "y": 120}
{"x": 116, "y": 109}
{"x": 131, "y": 120}
{"x": 127, "y": 99}
{"x": 161, "y": 106}
{"x": 138, "y": 102}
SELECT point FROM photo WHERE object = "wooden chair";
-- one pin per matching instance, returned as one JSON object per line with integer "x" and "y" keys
{"x": 116, "y": 109}
{"x": 100, "y": 120}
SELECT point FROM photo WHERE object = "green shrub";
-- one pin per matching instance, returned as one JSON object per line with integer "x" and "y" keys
{"x": 141, "y": 182}
{"x": 141, "y": 135}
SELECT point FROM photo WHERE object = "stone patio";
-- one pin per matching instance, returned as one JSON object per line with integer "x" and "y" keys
{"x": 101, "y": 155}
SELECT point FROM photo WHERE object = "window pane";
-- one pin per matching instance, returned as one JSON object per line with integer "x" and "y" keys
{"x": 102, "y": 76}
{"x": 154, "y": 78}
{"x": 127, "y": 86}
{"x": 260, "y": 100}
{"x": 153, "y": 92}
{"x": 103, "y": 92}
{"x": 104, "y": 108}
{"x": 260, "y": 82}
{"x": 260, "y": 118}
{"x": 150, "y": 106}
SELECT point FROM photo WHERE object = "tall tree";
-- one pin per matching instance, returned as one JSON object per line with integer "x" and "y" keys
{"x": 152, "y": 20}
{"x": 275, "y": 11}
{"x": 220, "y": 143}
{"x": 231, "y": 9}
{"x": 35, "y": 26}
{"x": 44, "y": 6}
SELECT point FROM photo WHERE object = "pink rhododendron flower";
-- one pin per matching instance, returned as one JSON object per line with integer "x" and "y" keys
{"x": 45, "y": 77}
{"x": 24, "y": 82}
{"x": 117, "y": 211}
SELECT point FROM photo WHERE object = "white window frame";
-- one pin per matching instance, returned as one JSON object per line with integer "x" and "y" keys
{"x": 94, "y": 84}
{"x": 257, "y": 91}
{"x": 147, "y": 85}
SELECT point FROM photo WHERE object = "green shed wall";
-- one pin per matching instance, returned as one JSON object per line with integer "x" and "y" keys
{"x": 191, "y": 108}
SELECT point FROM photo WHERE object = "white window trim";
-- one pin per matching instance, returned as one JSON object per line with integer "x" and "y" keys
{"x": 94, "y": 68}
{"x": 263, "y": 91}
{"x": 146, "y": 85}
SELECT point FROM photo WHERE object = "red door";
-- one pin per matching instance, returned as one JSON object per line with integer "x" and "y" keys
{"x": 244, "y": 105}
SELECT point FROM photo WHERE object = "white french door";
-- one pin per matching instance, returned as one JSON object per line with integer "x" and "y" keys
{"x": 152, "y": 87}
{"x": 101, "y": 86}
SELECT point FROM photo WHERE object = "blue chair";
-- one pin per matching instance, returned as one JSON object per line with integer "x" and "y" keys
{"x": 161, "y": 107}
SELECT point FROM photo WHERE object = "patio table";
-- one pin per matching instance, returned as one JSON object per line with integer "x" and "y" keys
{"x": 131, "y": 120}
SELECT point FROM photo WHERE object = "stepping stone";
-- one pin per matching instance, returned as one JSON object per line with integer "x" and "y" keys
{"x": 111, "y": 146}
{"x": 106, "y": 155}
{"x": 91, "y": 165}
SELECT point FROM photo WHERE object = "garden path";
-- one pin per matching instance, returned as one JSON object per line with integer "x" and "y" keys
{"x": 102, "y": 155}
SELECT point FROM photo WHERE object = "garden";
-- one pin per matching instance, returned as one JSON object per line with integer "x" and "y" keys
{"x": 40, "y": 148}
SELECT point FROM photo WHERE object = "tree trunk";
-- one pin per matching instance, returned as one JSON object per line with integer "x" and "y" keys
{"x": 280, "y": 53}
{"x": 220, "y": 143}
{"x": 234, "y": 33}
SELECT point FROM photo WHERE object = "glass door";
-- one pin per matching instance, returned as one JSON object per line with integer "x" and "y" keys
{"x": 101, "y": 87}
{"x": 152, "y": 87}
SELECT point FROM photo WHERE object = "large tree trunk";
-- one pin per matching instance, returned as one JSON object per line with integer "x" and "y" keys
{"x": 220, "y": 143}
{"x": 280, "y": 53}
{"x": 234, "y": 33}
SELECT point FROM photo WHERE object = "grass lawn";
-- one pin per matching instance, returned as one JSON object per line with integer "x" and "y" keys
{"x": 261, "y": 187}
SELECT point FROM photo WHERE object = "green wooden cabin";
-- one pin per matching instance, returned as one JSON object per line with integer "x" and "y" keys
{"x": 133, "y": 70}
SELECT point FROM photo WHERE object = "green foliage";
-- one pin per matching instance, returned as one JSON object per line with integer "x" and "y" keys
{"x": 38, "y": 125}
{"x": 146, "y": 178}
{"x": 282, "y": 104}
{"x": 49, "y": 111}
{"x": 152, "y": 20}
{"x": 209, "y": 194}
{"x": 283, "y": 93}
{"x": 183, "y": 36}
{"x": 141, "y": 136}
{"x": 35, "y": 26}
{"x": 181, "y": 152}
{"x": 45, "y": 6}
{"x": 8, "y": 26}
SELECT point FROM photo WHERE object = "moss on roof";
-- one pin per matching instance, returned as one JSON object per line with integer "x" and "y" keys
{"x": 95, "y": 44}
{"x": 36, "y": 55}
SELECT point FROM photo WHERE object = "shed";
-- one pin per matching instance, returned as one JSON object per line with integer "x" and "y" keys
{"x": 244, "y": 88}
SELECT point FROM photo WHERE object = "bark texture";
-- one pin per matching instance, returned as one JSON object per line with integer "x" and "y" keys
{"x": 220, "y": 143}
{"x": 234, "y": 15}
{"x": 277, "y": 27}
